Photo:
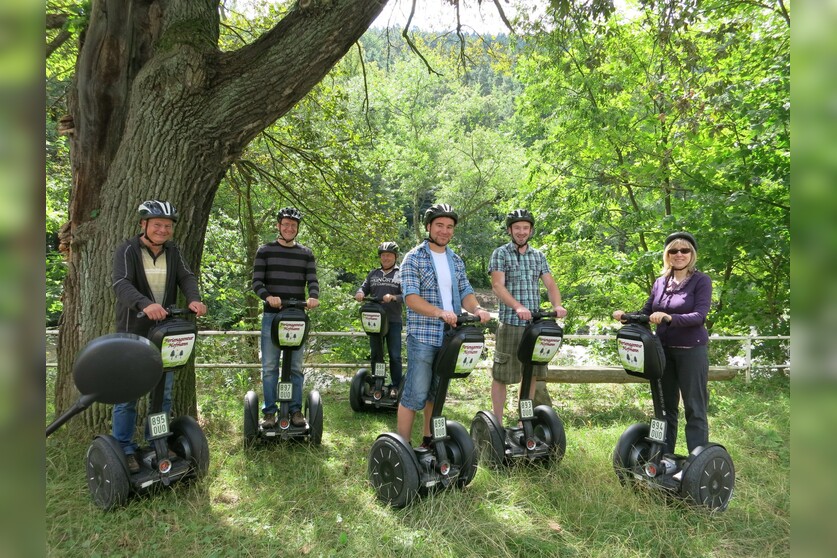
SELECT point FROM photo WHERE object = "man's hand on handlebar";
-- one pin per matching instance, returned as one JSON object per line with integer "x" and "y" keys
{"x": 198, "y": 307}
{"x": 312, "y": 303}
{"x": 155, "y": 312}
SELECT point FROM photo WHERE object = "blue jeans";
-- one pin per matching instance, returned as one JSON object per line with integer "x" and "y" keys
{"x": 125, "y": 417}
{"x": 393, "y": 341}
{"x": 421, "y": 382}
{"x": 271, "y": 355}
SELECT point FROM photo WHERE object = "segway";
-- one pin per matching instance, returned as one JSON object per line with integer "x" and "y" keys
{"x": 540, "y": 436}
{"x": 105, "y": 360}
{"x": 368, "y": 390}
{"x": 705, "y": 477}
{"x": 288, "y": 331}
{"x": 398, "y": 472}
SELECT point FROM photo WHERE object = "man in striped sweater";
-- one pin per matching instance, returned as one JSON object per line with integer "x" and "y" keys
{"x": 282, "y": 270}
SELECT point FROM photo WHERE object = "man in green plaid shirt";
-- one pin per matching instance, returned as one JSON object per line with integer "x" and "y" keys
{"x": 516, "y": 272}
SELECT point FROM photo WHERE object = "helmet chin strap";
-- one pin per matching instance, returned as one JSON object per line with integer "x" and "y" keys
{"x": 151, "y": 242}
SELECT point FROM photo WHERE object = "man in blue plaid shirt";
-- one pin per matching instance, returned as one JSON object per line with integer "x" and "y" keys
{"x": 516, "y": 272}
{"x": 435, "y": 289}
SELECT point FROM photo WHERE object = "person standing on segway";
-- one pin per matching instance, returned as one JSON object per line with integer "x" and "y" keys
{"x": 516, "y": 270}
{"x": 435, "y": 289}
{"x": 282, "y": 270}
{"x": 384, "y": 284}
{"x": 147, "y": 271}
{"x": 679, "y": 302}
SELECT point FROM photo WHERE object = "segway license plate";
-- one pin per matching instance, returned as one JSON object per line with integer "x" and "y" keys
{"x": 380, "y": 370}
{"x": 158, "y": 425}
{"x": 285, "y": 391}
{"x": 440, "y": 429}
{"x": 526, "y": 409}
{"x": 658, "y": 431}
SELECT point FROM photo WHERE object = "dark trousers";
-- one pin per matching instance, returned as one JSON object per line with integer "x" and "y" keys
{"x": 686, "y": 375}
{"x": 393, "y": 343}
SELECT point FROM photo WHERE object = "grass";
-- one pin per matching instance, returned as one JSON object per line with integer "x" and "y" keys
{"x": 296, "y": 500}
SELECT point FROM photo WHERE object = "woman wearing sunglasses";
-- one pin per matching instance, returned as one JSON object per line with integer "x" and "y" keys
{"x": 678, "y": 304}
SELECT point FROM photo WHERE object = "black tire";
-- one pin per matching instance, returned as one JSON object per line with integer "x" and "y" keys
{"x": 189, "y": 442}
{"x": 356, "y": 390}
{"x": 107, "y": 474}
{"x": 709, "y": 480}
{"x": 463, "y": 453}
{"x": 550, "y": 430}
{"x": 393, "y": 471}
{"x": 314, "y": 416}
{"x": 631, "y": 450}
{"x": 489, "y": 439}
{"x": 251, "y": 418}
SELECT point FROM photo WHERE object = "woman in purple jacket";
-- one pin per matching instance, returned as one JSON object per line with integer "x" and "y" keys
{"x": 678, "y": 304}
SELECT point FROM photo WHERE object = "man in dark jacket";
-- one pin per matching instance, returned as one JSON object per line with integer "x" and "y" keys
{"x": 147, "y": 270}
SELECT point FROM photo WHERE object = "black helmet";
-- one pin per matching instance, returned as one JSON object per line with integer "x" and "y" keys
{"x": 440, "y": 210}
{"x": 289, "y": 213}
{"x": 155, "y": 209}
{"x": 519, "y": 215}
{"x": 388, "y": 246}
{"x": 681, "y": 235}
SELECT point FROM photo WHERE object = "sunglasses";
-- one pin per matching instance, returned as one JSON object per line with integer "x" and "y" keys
{"x": 673, "y": 251}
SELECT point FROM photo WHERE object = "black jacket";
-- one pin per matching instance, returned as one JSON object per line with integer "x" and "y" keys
{"x": 132, "y": 290}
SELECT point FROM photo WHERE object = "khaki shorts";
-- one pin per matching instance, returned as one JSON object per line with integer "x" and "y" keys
{"x": 507, "y": 368}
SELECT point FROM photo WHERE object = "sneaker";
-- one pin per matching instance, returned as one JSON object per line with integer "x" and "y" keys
{"x": 133, "y": 464}
{"x": 426, "y": 442}
{"x": 269, "y": 420}
{"x": 297, "y": 419}
{"x": 393, "y": 392}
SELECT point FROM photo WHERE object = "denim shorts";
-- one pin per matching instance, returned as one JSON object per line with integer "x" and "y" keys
{"x": 420, "y": 382}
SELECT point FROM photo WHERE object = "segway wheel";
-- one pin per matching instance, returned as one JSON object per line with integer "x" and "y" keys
{"x": 189, "y": 442}
{"x": 550, "y": 430}
{"x": 463, "y": 453}
{"x": 393, "y": 470}
{"x": 489, "y": 439}
{"x": 710, "y": 479}
{"x": 107, "y": 474}
{"x": 314, "y": 416}
{"x": 356, "y": 390}
{"x": 251, "y": 418}
{"x": 631, "y": 450}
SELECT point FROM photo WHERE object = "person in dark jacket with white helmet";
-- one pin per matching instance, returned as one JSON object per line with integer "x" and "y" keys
{"x": 384, "y": 283}
{"x": 679, "y": 303}
{"x": 147, "y": 271}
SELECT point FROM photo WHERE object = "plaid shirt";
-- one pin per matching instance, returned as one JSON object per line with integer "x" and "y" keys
{"x": 418, "y": 276}
{"x": 523, "y": 271}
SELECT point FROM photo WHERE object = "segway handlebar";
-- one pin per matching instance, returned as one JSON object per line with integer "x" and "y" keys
{"x": 539, "y": 314}
{"x": 171, "y": 312}
{"x": 635, "y": 318}
{"x": 294, "y": 303}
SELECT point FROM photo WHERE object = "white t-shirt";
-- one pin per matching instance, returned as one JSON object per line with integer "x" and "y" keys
{"x": 444, "y": 277}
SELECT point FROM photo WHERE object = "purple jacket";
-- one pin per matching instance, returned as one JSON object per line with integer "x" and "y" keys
{"x": 687, "y": 306}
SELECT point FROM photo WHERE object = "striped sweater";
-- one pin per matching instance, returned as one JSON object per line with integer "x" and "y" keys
{"x": 284, "y": 272}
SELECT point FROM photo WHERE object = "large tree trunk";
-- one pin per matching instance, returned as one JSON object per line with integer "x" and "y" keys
{"x": 159, "y": 112}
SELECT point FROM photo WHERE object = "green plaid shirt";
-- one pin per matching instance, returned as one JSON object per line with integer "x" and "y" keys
{"x": 523, "y": 272}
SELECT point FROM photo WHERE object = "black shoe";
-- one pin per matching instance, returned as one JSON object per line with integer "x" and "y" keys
{"x": 133, "y": 464}
{"x": 269, "y": 420}
{"x": 297, "y": 419}
{"x": 426, "y": 442}
{"x": 393, "y": 392}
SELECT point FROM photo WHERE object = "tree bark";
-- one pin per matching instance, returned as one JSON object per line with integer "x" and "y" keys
{"x": 160, "y": 113}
